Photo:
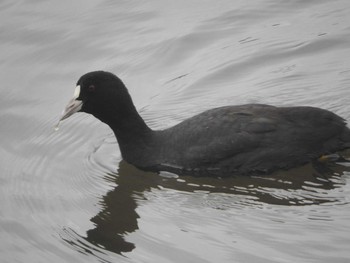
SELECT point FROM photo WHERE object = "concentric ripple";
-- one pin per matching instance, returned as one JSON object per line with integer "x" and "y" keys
{"x": 66, "y": 196}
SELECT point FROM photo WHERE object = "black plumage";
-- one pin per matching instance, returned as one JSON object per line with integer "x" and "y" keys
{"x": 245, "y": 139}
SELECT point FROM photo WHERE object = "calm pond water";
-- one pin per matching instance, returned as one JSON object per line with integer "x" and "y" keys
{"x": 66, "y": 196}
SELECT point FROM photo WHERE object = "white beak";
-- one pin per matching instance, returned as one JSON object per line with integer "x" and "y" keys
{"x": 73, "y": 105}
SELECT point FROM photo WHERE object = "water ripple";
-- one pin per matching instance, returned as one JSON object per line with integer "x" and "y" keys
{"x": 65, "y": 196}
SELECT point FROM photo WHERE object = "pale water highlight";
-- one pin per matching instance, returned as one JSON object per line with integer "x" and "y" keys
{"x": 67, "y": 196}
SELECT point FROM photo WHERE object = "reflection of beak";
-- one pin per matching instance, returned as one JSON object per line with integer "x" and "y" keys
{"x": 73, "y": 105}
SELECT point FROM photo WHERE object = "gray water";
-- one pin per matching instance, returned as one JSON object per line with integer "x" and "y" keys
{"x": 66, "y": 196}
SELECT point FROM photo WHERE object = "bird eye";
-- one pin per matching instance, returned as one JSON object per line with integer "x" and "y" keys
{"x": 91, "y": 88}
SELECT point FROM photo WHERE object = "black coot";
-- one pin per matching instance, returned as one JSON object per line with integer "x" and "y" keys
{"x": 245, "y": 139}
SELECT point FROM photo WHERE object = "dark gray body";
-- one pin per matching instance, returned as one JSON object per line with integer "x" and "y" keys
{"x": 246, "y": 139}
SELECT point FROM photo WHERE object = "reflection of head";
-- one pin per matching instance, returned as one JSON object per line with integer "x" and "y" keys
{"x": 118, "y": 216}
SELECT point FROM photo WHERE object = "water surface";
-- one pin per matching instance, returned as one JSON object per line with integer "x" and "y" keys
{"x": 68, "y": 197}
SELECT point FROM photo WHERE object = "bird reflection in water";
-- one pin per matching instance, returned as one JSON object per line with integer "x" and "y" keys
{"x": 118, "y": 216}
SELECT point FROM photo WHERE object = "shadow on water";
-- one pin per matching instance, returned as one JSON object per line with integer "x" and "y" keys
{"x": 307, "y": 185}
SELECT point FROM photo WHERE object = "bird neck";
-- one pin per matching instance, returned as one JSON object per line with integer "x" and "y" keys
{"x": 132, "y": 134}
